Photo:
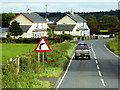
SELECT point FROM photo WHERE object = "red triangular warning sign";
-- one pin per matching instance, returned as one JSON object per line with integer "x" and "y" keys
{"x": 42, "y": 46}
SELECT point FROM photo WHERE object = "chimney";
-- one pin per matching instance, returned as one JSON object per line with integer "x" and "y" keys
{"x": 72, "y": 12}
{"x": 28, "y": 11}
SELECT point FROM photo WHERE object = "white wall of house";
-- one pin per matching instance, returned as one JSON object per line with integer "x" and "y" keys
{"x": 22, "y": 20}
{"x": 66, "y": 20}
{"x": 39, "y": 34}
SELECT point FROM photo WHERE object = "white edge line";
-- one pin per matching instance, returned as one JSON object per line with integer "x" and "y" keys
{"x": 103, "y": 82}
{"x": 65, "y": 73}
{"x": 111, "y": 51}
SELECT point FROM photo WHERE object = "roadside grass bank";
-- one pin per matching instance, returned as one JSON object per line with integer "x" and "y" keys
{"x": 30, "y": 70}
{"x": 114, "y": 45}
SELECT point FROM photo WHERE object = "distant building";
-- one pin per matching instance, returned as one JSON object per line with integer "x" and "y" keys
{"x": 3, "y": 32}
{"x": 119, "y": 5}
{"x": 72, "y": 24}
{"x": 32, "y": 24}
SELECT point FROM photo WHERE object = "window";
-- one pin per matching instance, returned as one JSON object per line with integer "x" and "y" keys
{"x": 41, "y": 25}
{"x": 82, "y": 46}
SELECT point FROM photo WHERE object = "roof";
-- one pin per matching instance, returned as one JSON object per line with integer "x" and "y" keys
{"x": 76, "y": 18}
{"x": 64, "y": 27}
{"x": 3, "y": 29}
{"x": 37, "y": 30}
{"x": 33, "y": 17}
{"x": 25, "y": 28}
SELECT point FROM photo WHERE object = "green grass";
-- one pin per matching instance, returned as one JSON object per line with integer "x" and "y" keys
{"x": 10, "y": 50}
{"x": 104, "y": 30}
{"x": 113, "y": 45}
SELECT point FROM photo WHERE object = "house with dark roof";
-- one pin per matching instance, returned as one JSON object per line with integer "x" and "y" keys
{"x": 32, "y": 24}
{"x": 72, "y": 24}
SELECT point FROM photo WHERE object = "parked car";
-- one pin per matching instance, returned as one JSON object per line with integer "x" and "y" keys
{"x": 82, "y": 50}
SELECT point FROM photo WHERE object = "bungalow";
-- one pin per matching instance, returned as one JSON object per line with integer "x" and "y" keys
{"x": 72, "y": 24}
{"x": 32, "y": 24}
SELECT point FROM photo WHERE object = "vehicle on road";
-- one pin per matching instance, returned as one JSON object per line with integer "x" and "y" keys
{"x": 82, "y": 50}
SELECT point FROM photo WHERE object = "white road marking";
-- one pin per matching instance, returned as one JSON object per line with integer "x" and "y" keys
{"x": 96, "y": 61}
{"x": 95, "y": 57}
{"x": 100, "y": 73}
{"x": 103, "y": 82}
{"x": 65, "y": 72}
{"x": 98, "y": 68}
{"x": 111, "y": 51}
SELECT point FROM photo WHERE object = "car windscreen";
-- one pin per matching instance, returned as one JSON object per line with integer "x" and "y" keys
{"x": 80, "y": 46}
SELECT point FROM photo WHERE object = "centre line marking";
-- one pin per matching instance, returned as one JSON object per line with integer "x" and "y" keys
{"x": 103, "y": 82}
{"x": 100, "y": 73}
{"x": 96, "y": 61}
{"x": 98, "y": 67}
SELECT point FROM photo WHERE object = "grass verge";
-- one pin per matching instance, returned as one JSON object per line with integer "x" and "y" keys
{"x": 113, "y": 45}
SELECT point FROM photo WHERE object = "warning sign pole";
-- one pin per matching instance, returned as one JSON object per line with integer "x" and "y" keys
{"x": 38, "y": 58}
{"x": 43, "y": 58}
{"x": 42, "y": 46}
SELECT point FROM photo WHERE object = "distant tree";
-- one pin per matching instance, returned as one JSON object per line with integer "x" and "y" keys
{"x": 50, "y": 33}
{"x": 6, "y": 18}
{"x": 92, "y": 23}
{"x": 15, "y": 29}
{"x": 108, "y": 21}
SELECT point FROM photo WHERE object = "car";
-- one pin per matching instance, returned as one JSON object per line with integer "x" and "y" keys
{"x": 82, "y": 50}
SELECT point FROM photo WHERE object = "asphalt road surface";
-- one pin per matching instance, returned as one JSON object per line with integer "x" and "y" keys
{"x": 101, "y": 71}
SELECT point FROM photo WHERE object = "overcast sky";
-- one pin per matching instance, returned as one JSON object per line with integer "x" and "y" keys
{"x": 17, "y": 6}
{"x": 59, "y": 0}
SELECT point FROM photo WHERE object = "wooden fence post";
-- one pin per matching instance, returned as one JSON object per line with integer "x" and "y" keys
{"x": 18, "y": 63}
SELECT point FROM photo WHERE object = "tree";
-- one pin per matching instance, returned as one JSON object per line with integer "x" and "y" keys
{"x": 50, "y": 33}
{"x": 92, "y": 23}
{"x": 6, "y": 18}
{"x": 107, "y": 21}
{"x": 15, "y": 29}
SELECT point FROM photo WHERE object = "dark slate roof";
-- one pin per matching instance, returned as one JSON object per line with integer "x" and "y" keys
{"x": 64, "y": 27}
{"x": 34, "y": 17}
{"x": 36, "y": 30}
{"x": 76, "y": 18}
{"x": 25, "y": 28}
{"x": 3, "y": 29}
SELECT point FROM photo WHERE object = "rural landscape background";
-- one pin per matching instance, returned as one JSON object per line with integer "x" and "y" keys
{"x": 103, "y": 18}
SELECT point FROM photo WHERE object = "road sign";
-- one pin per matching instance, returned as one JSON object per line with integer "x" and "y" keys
{"x": 42, "y": 46}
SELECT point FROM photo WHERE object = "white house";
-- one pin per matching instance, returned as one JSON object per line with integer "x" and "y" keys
{"x": 72, "y": 24}
{"x": 32, "y": 24}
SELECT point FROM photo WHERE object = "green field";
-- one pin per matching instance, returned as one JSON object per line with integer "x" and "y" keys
{"x": 10, "y": 50}
{"x": 104, "y": 30}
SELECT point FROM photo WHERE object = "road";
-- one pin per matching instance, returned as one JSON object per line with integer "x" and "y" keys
{"x": 98, "y": 73}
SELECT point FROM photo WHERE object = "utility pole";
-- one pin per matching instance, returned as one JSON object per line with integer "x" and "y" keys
{"x": 46, "y": 11}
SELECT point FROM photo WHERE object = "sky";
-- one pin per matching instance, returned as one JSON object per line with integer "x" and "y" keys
{"x": 17, "y": 6}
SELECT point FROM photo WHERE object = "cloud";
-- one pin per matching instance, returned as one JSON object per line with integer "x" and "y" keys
{"x": 59, "y": 0}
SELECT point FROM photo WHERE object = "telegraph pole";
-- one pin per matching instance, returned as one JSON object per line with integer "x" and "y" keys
{"x": 46, "y": 10}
